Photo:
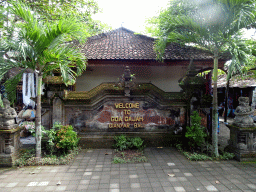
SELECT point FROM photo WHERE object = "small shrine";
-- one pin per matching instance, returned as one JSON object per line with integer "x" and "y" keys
{"x": 9, "y": 135}
{"x": 243, "y": 132}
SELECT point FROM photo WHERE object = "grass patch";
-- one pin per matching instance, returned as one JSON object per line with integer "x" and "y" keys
{"x": 248, "y": 162}
{"x": 195, "y": 156}
{"x": 27, "y": 158}
{"x": 129, "y": 156}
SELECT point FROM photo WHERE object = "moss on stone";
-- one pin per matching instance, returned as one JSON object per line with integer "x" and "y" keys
{"x": 53, "y": 80}
{"x": 242, "y": 128}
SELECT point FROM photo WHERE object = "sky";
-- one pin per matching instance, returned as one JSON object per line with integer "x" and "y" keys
{"x": 130, "y": 14}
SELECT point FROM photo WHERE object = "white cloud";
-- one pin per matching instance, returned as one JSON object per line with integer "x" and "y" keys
{"x": 132, "y": 14}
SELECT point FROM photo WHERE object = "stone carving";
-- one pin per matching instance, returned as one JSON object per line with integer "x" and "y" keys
{"x": 7, "y": 116}
{"x": 243, "y": 132}
{"x": 242, "y": 146}
{"x": 126, "y": 81}
{"x": 242, "y": 113}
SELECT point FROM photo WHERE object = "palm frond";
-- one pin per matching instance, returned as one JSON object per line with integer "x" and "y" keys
{"x": 11, "y": 86}
{"x": 5, "y": 66}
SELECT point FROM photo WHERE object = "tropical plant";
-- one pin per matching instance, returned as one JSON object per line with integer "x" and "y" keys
{"x": 43, "y": 47}
{"x": 123, "y": 142}
{"x": 195, "y": 133}
{"x": 212, "y": 25}
{"x": 53, "y": 10}
{"x": 66, "y": 138}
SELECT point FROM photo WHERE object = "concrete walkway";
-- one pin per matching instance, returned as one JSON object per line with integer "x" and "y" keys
{"x": 167, "y": 170}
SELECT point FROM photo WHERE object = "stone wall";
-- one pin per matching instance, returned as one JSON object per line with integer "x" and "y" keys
{"x": 98, "y": 124}
{"x": 10, "y": 146}
{"x": 105, "y": 111}
{"x": 124, "y": 115}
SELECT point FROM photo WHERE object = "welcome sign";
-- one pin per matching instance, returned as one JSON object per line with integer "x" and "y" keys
{"x": 126, "y": 120}
{"x": 124, "y": 115}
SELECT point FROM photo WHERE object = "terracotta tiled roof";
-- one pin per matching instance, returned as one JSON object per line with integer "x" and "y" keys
{"x": 125, "y": 44}
{"x": 237, "y": 81}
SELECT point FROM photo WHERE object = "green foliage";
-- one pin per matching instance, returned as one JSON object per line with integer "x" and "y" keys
{"x": 83, "y": 10}
{"x": 27, "y": 158}
{"x": 227, "y": 156}
{"x": 137, "y": 142}
{"x": 44, "y": 47}
{"x": 206, "y": 156}
{"x": 54, "y": 10}
{"x": 216, "y": 31}
{"x": 60, "y": 139}
{"x": 122, "y": 142}
{"x": 195, "y": 133}
{"x": 40, "y": 46}
{"x": 51, "y": 142}
{"x": 123, "y": 159}
{"x": 197, "y": 157}
{"x": 117, "y": 160}
{"x": 66, "y": 138}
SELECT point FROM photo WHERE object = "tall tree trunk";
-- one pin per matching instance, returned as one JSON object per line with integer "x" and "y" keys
{"x": 215, "y": 107}
{"x": 226, "y": 103}
{"x": 38, "y": 118}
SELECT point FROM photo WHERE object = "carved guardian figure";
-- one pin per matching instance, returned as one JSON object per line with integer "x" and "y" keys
{"x": 7, "y": 116}
{"x": 242, "y": 113}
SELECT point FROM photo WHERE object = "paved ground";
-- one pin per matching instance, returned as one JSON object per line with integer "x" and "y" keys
{"x": 167, "y": 170}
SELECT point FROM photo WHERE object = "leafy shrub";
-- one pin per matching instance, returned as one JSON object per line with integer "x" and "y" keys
{"x": 51, "y": 135}
{"x": 137, "y": 142}
{"x": 61, "y": 138}
{"x": 122, "y": 143}
{"x": 195, "y": 133}
{"x": 27, "y": 158}
{"x": 227, "y": 156}
{"x": 66, "y": 138}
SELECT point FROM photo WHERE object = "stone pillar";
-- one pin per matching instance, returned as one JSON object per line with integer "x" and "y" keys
{"x": 10, "y": 147}
{"x": 10, "y": 133}
{"x": 57, "y": 110}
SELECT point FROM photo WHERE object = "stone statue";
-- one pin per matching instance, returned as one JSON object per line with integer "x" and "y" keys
{"x": 242, "y": 146}
{"x": 126, "y": 81}
{"x": 242, "y": 113}
{"x": 8, "y": 116}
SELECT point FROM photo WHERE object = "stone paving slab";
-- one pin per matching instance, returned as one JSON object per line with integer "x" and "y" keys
{"x": 167, "y": 171}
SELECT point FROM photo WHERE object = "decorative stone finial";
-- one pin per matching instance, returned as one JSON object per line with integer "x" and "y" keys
{"x": 242, "y": 113}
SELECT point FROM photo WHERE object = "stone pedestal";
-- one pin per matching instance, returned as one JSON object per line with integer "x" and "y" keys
{"x": 242, "y": 143}
{"x": 243, "y": 133}
{"x": 9, "y": 146}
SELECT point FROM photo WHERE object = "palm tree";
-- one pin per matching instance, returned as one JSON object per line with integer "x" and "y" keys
{"x": 42, "y": 47}
{"x": 212, "y": 25}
